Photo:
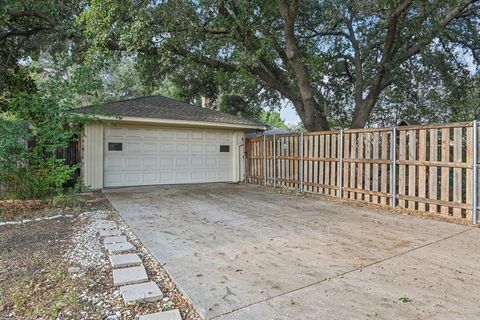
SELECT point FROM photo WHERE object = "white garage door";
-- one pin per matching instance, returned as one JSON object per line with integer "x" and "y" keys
{"x": 139, "y": 156}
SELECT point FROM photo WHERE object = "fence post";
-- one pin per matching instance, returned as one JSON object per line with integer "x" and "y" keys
{"x": 274, "y": 158}
{"x": 475, "y": 173}
{"x": 340, "y": 178}
{"x": 264, "y": 160}
{"x": 393, "y": 178}
{"x": 301, "y": 162}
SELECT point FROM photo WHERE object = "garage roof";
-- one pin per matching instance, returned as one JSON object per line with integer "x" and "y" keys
{"x": 159, "y": 107}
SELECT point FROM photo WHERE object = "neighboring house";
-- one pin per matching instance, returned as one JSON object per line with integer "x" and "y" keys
{"x": 158, "y": 140}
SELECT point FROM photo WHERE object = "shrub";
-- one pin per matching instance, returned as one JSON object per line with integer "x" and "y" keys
{"x": 34, "y": 172}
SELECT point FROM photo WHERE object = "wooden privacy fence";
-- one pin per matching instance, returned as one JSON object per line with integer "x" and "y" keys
{"x": 431, "y": 168}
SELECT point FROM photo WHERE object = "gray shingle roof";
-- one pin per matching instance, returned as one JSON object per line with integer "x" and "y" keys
{"x": 158, "y": 107}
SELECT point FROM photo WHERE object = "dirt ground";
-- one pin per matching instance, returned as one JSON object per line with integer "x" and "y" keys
{"x": 34, "y": 261}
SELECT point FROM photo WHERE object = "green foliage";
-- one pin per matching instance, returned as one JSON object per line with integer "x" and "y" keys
{"x": 44, "y": 121}
{"x": 273, "y": 119}
{"x": 235, "y": 53}
{"x": 404, "y": 299}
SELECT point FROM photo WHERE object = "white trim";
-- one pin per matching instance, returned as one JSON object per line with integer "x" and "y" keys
{"x": 181, "y": 122}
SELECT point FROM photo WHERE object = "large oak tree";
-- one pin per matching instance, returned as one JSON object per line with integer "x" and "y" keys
{"x": 329, "y": 58}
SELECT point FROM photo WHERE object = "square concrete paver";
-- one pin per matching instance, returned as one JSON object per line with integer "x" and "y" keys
{"x": 130, "y": 275}
{"x": 166, "y": 315}
{"x": 124, "y": 260}
{"x": 106, "y": 225}
{"x": 142, "y": 292}
{"x": 242, "y": 252}
{"x": 100, "y": 216}
{"x": 115, "y": 239}
{"x": 109, "y": 233}
{"x": 119, "y": 247}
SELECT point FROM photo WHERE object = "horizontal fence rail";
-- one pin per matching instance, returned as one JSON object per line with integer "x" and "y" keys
{"x": 431, "y": 168}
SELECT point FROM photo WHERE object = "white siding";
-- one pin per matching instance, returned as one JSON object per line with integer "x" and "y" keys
{"x": 93, "y": 156}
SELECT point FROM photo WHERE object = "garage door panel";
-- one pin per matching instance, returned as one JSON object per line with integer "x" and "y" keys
{"x": 133, "y": 133}
{"x": 183, "y": 176}
{"x": 182, "y": 147}
{"x": 211, "y": 136}
{"x": 133, "y": 163}
{"x": 114, "y": 163}
{"x": 198, "y": 135}
{"x": 212, "y": 148}
{"x": 150, "y": 147}
{"x": 133, "y": 146}
{"x": 182, "y": 135}
{"x": 197, "y": 176}
{"x": 166, "y": 163}
{"x": 114, "y": 179}
{"x": 166, "y": 147}
{"x": 150, "y": 178}
{"x": 224, "y": 163}
{"x": 225, "y": 136}
{"x": 197, "y": 148}
{"x": 197, "y": 162}
{"x": 114, "y": 132}
{"x": 167, "y": 134}
{"x": 181, "y": 163}
{"x": 166, "y": 177}
{"x": 166, "y": 156}
{"x": 150, "y": 163}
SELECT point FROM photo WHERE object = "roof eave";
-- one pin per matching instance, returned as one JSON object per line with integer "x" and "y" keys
{"x": 181, "y": 122}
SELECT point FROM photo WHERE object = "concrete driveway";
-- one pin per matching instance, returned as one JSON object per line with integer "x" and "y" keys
{"x": 239, "y": 252}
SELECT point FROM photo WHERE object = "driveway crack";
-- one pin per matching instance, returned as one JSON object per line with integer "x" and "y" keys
{"x": 342, "y": 274}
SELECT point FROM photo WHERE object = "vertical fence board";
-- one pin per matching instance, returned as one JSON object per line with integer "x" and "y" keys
{"x": 321, "y": 163}
{"x": 334, "y": 166}
{"x": 353, "y": 165}
{"x": 412, "y": 181}
{"x": 376, "y": 154}
{"x": 310, "y": 165}
{"x": 468, "y": 175}
{"x": 457, "y": 172}
{"x": 401, "y": 168}
{"x": 360, "y": 165}
{"x": 422, "y": 176}
{"x": 368, "y": 147}
{"x": 346, "y": 169}
{"x": 384, "y": 177}
{"x": 433, "y": 171}
{"x": 445, "y": 181}
{"x": 327, "y": 169}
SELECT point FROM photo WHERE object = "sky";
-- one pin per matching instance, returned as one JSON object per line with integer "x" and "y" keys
{"x": 289, "y": 115}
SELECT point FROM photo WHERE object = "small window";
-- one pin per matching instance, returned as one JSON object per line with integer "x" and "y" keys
{"x": 115, "y": 146}
{"x": 224, "y": 148}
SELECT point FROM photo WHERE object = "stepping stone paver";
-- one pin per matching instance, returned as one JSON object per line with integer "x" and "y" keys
{"x": 130, "y": 275}
{"x": 165, "y": 315}
{"x": 118, "y": 247}
{"x": 106, "y": 225}
{"x": 125, "y": 260}
{"x": 110, "y": 232}
{"x": 100, "y": 215}
{"x": 114, "y": 239}
{"x": 142, "y": 292}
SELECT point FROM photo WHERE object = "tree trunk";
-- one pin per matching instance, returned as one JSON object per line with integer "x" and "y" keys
{"x": 314, "y": 116}
{"x": 362, "y": 113}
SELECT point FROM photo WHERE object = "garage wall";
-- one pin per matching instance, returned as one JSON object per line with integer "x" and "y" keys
{"x": 93, "y": 156}
{"x": 238, "y": 156}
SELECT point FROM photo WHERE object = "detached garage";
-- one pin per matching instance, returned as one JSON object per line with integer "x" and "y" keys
{"x": 156, "y": 140}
